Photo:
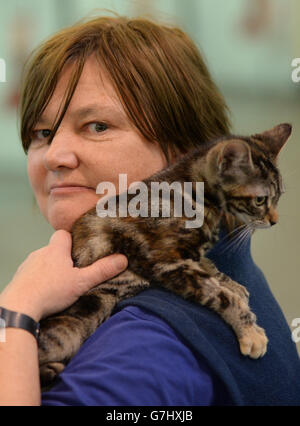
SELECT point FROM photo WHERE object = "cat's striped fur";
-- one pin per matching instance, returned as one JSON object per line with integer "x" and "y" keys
{"x": 242, "y": 186}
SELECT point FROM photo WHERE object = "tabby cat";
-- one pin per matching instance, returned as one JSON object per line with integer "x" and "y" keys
{"x": 242, "y": 186}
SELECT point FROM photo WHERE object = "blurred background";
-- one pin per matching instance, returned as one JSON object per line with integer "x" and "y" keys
{"x": 249, "y": 46}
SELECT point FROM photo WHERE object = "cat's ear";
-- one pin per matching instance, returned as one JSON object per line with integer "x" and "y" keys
{"x": 234, "y": 157}
{"x": 275, "y": 138}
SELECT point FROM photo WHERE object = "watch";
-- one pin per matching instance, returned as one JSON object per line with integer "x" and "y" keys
{"x": 18, "y": 320}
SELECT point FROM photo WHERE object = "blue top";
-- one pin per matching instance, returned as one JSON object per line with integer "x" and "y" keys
{"x": 134, "y": 358}
{"x": 158, "y": 349}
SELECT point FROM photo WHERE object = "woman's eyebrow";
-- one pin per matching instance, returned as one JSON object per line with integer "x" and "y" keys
{"x": 86, "y": 111}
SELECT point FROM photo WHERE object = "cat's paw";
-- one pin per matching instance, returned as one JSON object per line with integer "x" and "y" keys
{"x": 253, "y": 342}
{"x": 49, "y": 372}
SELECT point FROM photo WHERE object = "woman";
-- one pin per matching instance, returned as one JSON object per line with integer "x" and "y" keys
{"x": 105, "y": 97}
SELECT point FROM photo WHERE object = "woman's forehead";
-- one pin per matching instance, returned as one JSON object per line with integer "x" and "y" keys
{"x": 94, "y": 92}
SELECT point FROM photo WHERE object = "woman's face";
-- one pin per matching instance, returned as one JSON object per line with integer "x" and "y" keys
{"x": 94, "y": 143}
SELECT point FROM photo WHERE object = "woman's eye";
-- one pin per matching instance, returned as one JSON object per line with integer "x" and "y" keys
{"x": 40, "y": 135}
{"x": 259, "y": 201}
{"x": 97, "y": 127}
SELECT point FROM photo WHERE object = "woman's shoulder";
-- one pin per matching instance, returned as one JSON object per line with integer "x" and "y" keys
{"x": 134, "y": 358}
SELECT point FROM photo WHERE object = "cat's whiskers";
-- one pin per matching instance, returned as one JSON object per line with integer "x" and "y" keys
{"x": 236, "y": 242}
{"x": 242, "y": 232}
{"x": 244, "y": 238}
{"x": 229, "y": 234}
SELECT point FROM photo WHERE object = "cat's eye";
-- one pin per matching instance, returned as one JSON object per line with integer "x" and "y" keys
{"x": 259, "y": 201}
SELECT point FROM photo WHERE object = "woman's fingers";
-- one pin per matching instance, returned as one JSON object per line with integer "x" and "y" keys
{"x": 62, "y": 240}
{"x": 102, "y": 270}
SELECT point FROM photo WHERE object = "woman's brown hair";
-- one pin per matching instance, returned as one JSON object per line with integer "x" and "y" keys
{"x": 157, "y": 72}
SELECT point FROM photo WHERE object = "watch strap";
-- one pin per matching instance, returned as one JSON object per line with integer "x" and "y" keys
{"x": 18, "y": 320}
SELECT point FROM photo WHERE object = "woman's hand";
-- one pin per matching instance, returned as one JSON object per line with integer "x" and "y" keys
{"x": 47, "y": 282}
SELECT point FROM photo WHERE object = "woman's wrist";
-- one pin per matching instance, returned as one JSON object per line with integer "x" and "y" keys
{"x": 19, "y": 303}
{"x": 13, "y": 319}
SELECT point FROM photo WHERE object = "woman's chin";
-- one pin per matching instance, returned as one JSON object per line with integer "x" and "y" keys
{"x": 64, "y": 223}
{"x": 63, "y": 217}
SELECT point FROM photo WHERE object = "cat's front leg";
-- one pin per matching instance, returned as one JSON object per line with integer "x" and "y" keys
{"x": 195, "y": 281}
{"x": 225, "y": 280}
{"x": 252, "y": 338}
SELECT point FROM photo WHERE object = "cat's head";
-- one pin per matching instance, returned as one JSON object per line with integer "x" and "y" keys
{"x": 245, "y": 177}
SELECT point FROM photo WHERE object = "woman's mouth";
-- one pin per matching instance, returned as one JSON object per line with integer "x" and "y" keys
{"x": 69, "y": 189}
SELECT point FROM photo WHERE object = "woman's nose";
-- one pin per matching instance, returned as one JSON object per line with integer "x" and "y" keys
{"x": 61, "y": 152}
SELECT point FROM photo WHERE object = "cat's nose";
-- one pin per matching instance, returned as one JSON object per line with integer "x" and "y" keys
{"x": 272, "y": 216}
